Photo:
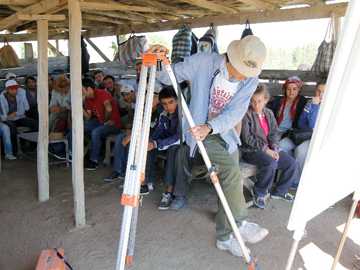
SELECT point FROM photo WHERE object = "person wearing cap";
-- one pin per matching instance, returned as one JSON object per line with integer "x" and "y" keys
{"x": 12, "y": 113}
{"x": 122, "y": 144}
{"x": 221, "y": 89}
{"x": 107, "y": 120}
{"x": 31, "y": 96}
{"x": 133, "y": 82}
{"x": 89, "y": 75}
{"x": 60, "y": 102}
{"x": 128, "y": 96}
{"x": 21, "y": 92}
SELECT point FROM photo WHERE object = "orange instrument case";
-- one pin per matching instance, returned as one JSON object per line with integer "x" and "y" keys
{"x": 49, "y": 260}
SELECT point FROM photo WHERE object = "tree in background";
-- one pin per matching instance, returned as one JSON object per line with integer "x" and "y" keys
{"x": 282, "y": 59}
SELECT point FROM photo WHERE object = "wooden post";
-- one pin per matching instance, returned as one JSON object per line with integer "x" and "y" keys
{"x": 75, "y": 24}
{"x": 43, "y": 103}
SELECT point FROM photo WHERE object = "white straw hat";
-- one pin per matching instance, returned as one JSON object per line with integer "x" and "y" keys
{"x": 247, "y": 55}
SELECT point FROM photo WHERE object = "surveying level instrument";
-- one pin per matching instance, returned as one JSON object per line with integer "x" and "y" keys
{"x": 135, "y": 169}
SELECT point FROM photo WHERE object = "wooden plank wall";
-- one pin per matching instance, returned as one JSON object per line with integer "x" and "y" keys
{"x": 273, "y": 79}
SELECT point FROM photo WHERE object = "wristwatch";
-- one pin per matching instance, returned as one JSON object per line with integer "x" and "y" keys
{"x": 210, "y": 127}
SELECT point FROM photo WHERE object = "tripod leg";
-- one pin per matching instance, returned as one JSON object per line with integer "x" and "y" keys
{"x": 131, "y": 246}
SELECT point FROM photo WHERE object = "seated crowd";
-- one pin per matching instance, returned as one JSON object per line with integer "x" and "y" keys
{"x": 263, "y": 128}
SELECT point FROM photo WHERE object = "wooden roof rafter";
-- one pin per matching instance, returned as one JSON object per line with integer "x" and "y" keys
{"x": 212, "y": 6}
{"x": 259, "y": 4}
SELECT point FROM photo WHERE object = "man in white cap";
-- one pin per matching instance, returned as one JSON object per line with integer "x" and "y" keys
{"x": 221, "y": 88}
{"x": 21, "y": 92}
{"x": 12, "y": 112}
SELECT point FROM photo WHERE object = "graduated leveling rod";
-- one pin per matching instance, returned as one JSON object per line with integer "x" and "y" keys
{"x": 137, "y": 158}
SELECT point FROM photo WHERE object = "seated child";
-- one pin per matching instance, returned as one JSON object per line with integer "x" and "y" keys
{"x": 260, "y": 145}
{"x": 165, "y": 140}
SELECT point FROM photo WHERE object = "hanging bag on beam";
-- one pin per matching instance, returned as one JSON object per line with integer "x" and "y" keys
{"x": 181, "y": 44}
{"x": 247, "y": 31}
{"x": 8, "y": 56}
{"x": 132, "y": 49}
{"x": 326, "y": 50}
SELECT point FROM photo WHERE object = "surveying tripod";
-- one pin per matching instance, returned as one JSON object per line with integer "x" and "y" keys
{"x": 135, "y": 169}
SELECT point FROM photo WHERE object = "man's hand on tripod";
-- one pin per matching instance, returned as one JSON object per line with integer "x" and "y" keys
{"x": 199, "y": 132}
{"x": 157, "y": 49}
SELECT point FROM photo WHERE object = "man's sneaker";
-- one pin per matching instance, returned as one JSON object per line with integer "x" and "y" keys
{"x": 112, "y": 177}
{"x": 121, "y": 176}
{"x": 10, "y": 157}
{"x": 231, "y": 245}
{"x": 259, "y": 201}
{"x": 151, "y": 187}
{"x": 179, "y": 203}
{"x": 287, "y": 197}
{"x": 252, "y": 233}
{"x": 357, "y": 264}
{"x": 294, "y": 186}
{"x": 165, "y": 201}
{"x": 91, "y": 166}
{"x": 144, "y": 190}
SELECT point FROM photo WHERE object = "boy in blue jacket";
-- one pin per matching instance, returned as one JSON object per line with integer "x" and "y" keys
{"x": 165, "y": 140}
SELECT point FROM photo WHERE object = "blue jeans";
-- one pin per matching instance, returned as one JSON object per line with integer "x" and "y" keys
{"x": 98, "y": 131}
{"x": 23, "y": 122}
{"x": 6, "y": 137}
{"x": 121, "y": 154}
{"x": 300, "y": 154}
{"x": 169, "y": 168}
{"x": 267, "y": 168}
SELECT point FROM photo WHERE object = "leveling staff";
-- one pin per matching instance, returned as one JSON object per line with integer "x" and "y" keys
{"x": 221, "y": 88}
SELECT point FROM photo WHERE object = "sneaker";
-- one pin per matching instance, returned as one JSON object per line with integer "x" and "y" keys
{"x": 259, "y": 201}
{"x": 357, "y": 264}
{"x": 10, "y": 157}
{"x": 112, "y": 177}
{"x": 231, "y": 245}
{"x": 179, "y": 203}
{"x": 120, "y": 187}
{"x": 332, "y": 206}
{"x": 121, "y": 176}
{"x": 251, "y": 232}
{"x": 287, "y": 197}
{"x": 294, "y": 186}
{"x": 91, "y": 166}
{"x": 151, "y": 187}
{"x": 144, "y": 190}
{"x": 60, "y": 156}
{"x": 165, "y": 201}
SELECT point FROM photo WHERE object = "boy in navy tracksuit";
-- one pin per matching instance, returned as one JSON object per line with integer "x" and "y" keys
{"x": 165, "y": 140}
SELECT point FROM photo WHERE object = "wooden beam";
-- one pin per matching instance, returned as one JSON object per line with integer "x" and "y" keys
{"x": 210, "y": 5}
{"x": 28, "y": 17}
{"x": 37, "y": 8}
{"x": 18, "y": 2}
{"x": 102, "y": 19}
{"x": 54, "y": 50}
{"x": 311, "y": 2}
{"x": 124, "y": 16}
{"x": 43, "y": 108}
{"x": 77, "y": 113}
{"x": 115, "y": 6}
{"x": 97, "y": 50}
{"x": 314, "y": 12}
{"x": 259, "y": 4}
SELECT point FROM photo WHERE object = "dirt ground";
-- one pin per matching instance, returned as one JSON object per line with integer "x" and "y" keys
{"x": 165, "y": 239}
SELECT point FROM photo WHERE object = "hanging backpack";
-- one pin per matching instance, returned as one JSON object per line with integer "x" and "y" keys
{"x": 326, "y": 50}
{"x": 181, "y": 44}
{"x": 247, "y": 31}
{"x": 131, "y": 49}
{"x": 207, "y": 43}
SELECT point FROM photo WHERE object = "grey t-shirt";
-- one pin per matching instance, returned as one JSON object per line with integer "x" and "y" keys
{"x": 286, "y": 123}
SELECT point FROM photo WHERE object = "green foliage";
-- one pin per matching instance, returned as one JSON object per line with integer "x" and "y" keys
{"x": 280, "y": 58}
{"x": 156, "y": 39}
{"x": 115, "y": 47}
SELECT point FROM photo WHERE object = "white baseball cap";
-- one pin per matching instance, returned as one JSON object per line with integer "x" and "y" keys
{"x": 126, "y": 88}
{"x": 10, "y": 75}
{"x": 247, "y": 55}
{"x": 11, "y": 84}
{"x": 157, "y": 89}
